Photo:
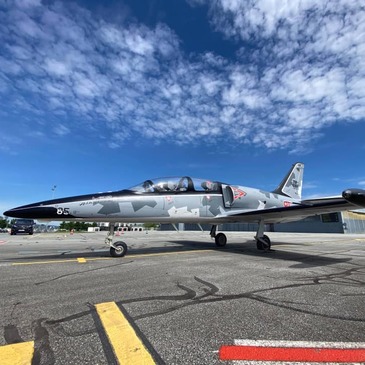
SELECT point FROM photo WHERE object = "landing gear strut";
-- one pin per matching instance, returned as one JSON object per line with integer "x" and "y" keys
{"x": 220, "y": 238}
{"x": 117, "y": 249}
{"x": 262, "y": 241}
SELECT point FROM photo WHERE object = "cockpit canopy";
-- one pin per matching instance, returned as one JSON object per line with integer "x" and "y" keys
{"x": 176, "y": 185}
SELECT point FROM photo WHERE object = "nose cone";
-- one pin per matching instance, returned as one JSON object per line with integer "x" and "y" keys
{"x": 32, "y": 211}
{"x": 8, "y": 213}
{"x": 355, "y": 196}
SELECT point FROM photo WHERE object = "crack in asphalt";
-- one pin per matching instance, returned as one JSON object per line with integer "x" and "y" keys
{"x": 211, "y": 295}
{"x": 81, "y": 272}
{"x": 342, "y": 278}
{"x": 11, "y": 334}
{"x": 43, "y": 353}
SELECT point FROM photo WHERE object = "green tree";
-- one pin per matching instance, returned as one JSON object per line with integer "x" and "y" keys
{"x": 151, "y": 225}
{"x": 77, "y": 226}
{"x": 3, "y": 222}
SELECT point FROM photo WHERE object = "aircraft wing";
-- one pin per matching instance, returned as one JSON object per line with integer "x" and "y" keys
{"x": 350, "y": 200}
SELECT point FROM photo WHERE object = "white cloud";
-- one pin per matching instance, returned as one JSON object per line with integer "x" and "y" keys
{"x": 61, "y": 130}
{"x": 299, "y": 68}
{"x": 58, "y": 68}
{"x": 27, "y": 3}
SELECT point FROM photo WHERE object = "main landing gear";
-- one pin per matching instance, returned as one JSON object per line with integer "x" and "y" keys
{"x": 263, "y": 242}
{"x": 120, "y": 248}
{"x": 220, "y": 238}
{"x": 117, "y": 249}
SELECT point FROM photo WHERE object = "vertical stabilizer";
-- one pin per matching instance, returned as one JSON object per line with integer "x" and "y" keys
{"x": 291, "y": 185}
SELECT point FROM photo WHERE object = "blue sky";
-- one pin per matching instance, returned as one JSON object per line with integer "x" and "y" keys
{"x": 100, "y": 96}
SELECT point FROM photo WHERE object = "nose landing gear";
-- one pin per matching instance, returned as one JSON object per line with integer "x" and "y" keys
{"x": 117, "y": 249}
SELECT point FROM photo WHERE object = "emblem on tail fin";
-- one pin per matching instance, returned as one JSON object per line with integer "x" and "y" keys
{"x": 291, "y": 185}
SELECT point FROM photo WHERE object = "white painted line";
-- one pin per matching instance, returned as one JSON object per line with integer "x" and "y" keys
{"x": 263, "y": 343}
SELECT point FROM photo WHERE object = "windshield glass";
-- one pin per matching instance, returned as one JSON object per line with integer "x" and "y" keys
{"x": 24, "y": 221}
{"x": 175, "y": 185}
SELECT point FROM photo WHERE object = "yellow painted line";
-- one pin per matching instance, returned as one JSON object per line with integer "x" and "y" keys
{"x": 81, "y": 260}
{"x": 17, "y": 354}
{"x": 107, "y": 258}
{"x": 127, "y": 346}
{"x": 99, "y": 258}
{"x": 44, "y": 262}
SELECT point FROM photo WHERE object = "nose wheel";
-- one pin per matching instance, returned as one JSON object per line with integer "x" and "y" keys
{"x": 119, "y": 249}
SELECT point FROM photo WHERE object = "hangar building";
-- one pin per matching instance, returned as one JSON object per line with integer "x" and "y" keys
{"x": 341, "y": 222}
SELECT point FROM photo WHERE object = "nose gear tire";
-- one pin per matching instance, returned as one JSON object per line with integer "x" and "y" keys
{"x": 120, "y": 250}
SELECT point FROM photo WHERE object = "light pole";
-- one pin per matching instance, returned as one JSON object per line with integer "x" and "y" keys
{"x": 53, "y": 190}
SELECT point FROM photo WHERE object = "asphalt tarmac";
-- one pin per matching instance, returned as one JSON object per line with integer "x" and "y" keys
{"x": 65, "y": 299}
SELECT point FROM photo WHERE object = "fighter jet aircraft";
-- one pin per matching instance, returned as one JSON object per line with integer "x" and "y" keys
{"x": 190, "y": 200}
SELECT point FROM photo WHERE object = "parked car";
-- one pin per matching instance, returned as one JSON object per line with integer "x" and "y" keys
{"x": 22, "y": 226}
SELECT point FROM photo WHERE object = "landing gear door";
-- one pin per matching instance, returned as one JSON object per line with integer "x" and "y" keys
{"x": 227, "y": 196}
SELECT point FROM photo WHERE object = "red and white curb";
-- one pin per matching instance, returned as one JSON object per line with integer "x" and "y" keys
{"x": 293, "y": 352}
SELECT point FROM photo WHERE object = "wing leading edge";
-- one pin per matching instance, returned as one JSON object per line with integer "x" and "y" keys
{"x": 350, "y": 199}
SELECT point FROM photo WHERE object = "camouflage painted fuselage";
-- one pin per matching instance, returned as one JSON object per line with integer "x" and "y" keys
{"x": 184, "y": 199}
{"x": 163, "y": 201}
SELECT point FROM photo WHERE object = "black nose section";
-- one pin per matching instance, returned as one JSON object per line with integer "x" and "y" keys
{"x": 355, "y": 196}
{"x": 32, "y": 212}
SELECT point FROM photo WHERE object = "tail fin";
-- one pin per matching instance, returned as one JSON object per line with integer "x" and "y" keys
{"x": 291, "y": 185}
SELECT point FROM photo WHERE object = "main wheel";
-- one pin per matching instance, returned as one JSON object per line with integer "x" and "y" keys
{"x": 220, "y": 240}
{"x": 120, "y": 250}
{"x": 266, "y": 245}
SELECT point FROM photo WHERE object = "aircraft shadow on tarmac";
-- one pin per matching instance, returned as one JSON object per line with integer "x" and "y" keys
{"x": 248, "y": 248}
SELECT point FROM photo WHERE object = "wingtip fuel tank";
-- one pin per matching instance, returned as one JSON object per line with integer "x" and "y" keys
{"x": 355, "y": 196}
